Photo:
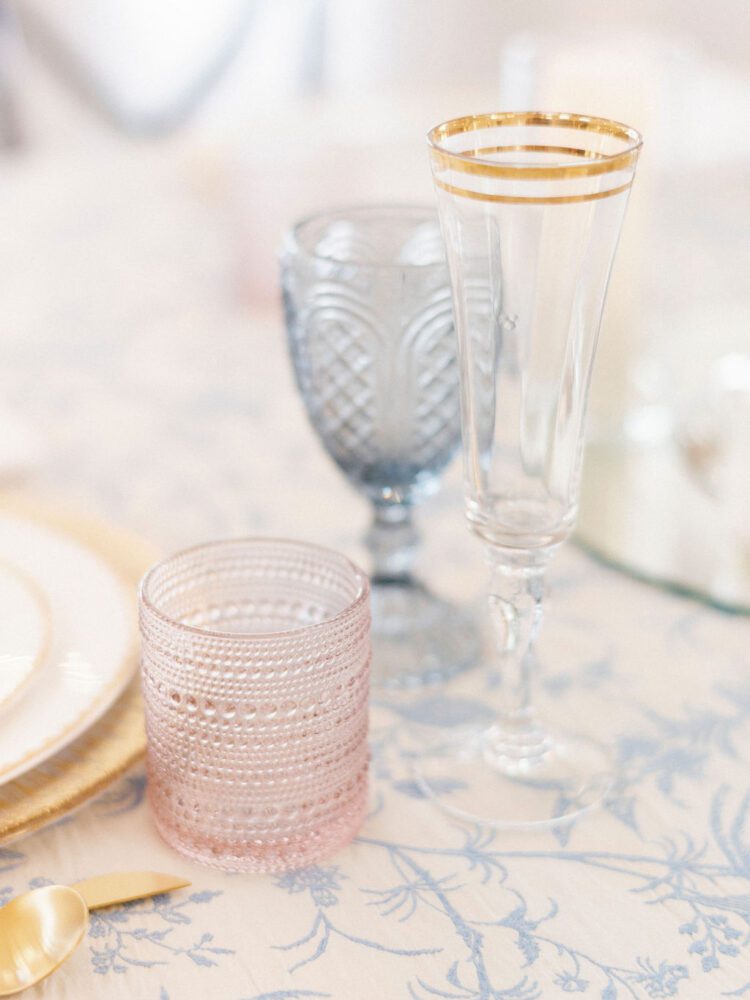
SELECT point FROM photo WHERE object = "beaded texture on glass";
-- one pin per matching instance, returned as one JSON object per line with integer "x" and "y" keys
{"x": 256, "y": 702}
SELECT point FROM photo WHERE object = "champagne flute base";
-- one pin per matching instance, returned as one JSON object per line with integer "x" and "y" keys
{"x": 490, "y": 780}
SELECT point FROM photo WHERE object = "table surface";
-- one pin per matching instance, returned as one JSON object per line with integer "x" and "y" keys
{"x": 166, "y": 404}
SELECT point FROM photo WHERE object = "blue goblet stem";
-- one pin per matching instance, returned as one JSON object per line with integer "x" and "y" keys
{"x": 392, "y": 541}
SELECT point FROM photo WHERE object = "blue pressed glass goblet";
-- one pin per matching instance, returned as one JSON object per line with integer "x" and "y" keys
{"x": 369, "y": 315}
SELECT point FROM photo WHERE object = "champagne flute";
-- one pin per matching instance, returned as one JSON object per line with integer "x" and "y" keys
{"x": 531, "y": 206}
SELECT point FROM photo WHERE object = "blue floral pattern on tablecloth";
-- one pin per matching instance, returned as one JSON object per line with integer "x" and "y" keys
{"x": 438, "y": 906}
{"x": 442, "y": 904}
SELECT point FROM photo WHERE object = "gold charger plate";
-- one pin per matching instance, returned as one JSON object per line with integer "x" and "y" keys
{"x": 114, "y": 744}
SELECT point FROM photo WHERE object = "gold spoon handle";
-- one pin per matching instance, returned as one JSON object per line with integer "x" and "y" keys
{"x": 121, "y": 887}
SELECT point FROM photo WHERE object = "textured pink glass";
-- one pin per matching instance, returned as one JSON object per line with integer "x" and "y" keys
{"x": 255, "y": 668}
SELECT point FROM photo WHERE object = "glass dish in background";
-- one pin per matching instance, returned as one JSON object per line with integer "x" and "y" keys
{"x": 678, "y": 303}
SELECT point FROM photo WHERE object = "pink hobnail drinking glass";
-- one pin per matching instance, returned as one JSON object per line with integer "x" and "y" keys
{"x": 255, "y": 671}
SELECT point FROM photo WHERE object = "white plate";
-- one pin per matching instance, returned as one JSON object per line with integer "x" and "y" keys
{"x": 24, "y": 631}
{"x": 90, "y": 657}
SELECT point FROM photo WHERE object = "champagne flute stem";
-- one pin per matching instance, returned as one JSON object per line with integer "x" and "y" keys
{"x": 515, "y": 603}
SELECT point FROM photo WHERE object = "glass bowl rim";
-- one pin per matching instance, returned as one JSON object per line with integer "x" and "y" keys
{"x": 360, "y": 598}
{"x": 291, "y": 245}
{"x": 604, "y": 162}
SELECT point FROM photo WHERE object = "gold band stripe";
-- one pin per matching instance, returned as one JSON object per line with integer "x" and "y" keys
{"x": 465, "y": 163}
{"x": 561, "y": 119}
{"x": 469, "y": 161}
{"x": 564, "y": 199}
{"x": 564, "y": 150}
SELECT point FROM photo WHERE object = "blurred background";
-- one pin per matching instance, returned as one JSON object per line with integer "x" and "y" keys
{"x": 152, "y": 154}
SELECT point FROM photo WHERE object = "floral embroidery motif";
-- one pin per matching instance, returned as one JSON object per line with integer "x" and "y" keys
{"x": 143, "y": 934}
{"x": 321, "y": 883}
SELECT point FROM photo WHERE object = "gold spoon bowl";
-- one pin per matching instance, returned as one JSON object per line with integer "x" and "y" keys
{"x": 38, "y": 931}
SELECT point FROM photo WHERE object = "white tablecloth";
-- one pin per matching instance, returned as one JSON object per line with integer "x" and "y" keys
{"x": 166, "y": 404}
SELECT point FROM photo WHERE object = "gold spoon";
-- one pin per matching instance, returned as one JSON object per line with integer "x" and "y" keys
{"x": 42, "y": 928}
